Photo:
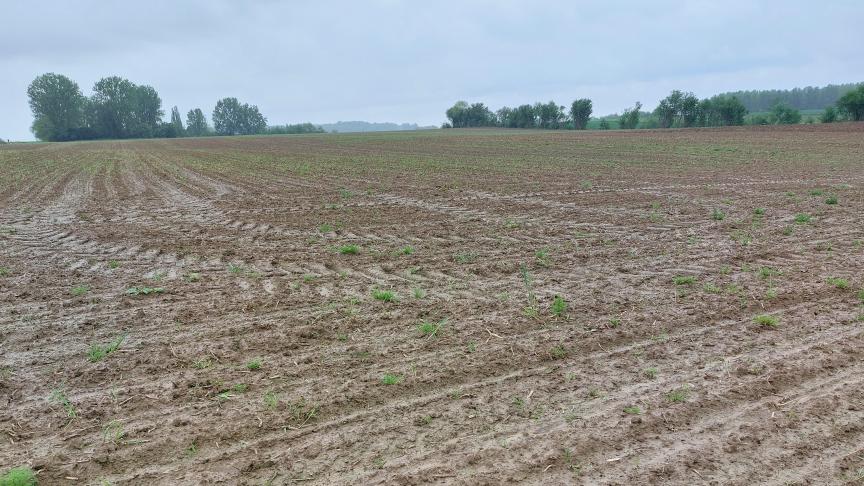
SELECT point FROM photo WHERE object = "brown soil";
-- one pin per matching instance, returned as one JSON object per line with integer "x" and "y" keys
{"x": 640, "y": 381}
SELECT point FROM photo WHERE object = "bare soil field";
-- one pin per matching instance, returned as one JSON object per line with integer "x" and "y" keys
{"x": 449, "y": 307}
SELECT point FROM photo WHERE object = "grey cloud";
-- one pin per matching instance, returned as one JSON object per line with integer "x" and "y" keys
{"x": 389, "y": 60}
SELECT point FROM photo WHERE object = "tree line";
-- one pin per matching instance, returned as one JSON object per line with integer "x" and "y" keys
{"x": 809, "y": 98}
{"x": 678, "y": 110}
{"x": 119, "y": 108}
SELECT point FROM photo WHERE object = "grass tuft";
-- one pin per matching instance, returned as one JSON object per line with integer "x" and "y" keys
{"x": 766, "y": 320}
{"x": 349, "y": 249}
{"x": 391, "y": 379}
{"x": 802, "y": 218}
{"x": 384, "y": 295}
{"x": 144, "y": 290}
{"x": 840, "y": 283}
{"x": 99, "y": 351}
{"x": 684, "y": 280}
{"x": 559, "y": 306}
{"x": 19, "y": 476}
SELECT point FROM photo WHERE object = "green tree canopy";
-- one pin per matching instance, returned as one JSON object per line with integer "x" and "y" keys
{"x": 177, "y": 122}
{"x": 630, "y": 118}
{"x": 196, "y": 123}
{"x": 57, "y": 105}
{"x": 783, "y": 114}
{"x": 852, "y": 104}
{"x": 580, "y": 113}
{"x": 230, "y": 117}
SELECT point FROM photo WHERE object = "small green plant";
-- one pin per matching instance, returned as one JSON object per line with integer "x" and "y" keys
{"x": 384, "y": 295}
{"x": 19, "y": 476}
{"x": 650, "y": 373}
{"x": 112, "y": 264}
{"x": 325, "y": 228}
{"x": 768, "y": 272}
{"x": 816, "y": 192}
{"x": 718, "y": 215}
{"x": 465, "y": 257}
{"x": 802, "y": 218}
{"x": 861, "y": 295}
{"x": 679, "y": 395}
{"x": 632, "y": 410}
{"x": 766, "y": 320}
{"x": 406, "y": 250}
{"x": 559, "y": 306}
{"x": 558, "y": 352}
{"x": 759, "y": 211}
{"x": 711, "y": 288}
{"x": 59, "y": 396}
{"x": 390, "y": 379}
{"x": 191, "y": 450}
{"x": 79, "y": 290}
{"x": 203, "y": 363}
{"x": 472, "y": 347}
{"x": 192, "y": 277}
{"x": 253, "y": 365}
{"x": 113, "y": 431}
{"x": 832, "y": 200}
{"x": 771, "y": 293}
{"x": 5, "y": 272}
{"x": 840, "y": 283}
{"x": 144, "y": 290}
{"x": 542, "y": 257}
{"x": 349, "y": 249}
{"x": 235, "y": 269}
{"x": 99, "y": 351}
{"x": 418, "y": 293}
{"x": 430, "y": 329}
{"x": 271, "y": 400}
{"x": 614, "y": 322}
{"x": 684, "y": 280}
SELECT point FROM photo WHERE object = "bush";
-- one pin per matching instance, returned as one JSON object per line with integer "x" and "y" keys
{"x": 852, "y": 104}
{"x": 783, "y": 114}
{"x": 829, "y": 115}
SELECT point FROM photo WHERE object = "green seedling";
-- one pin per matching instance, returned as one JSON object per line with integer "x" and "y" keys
{"x": 684, "y": 280}
{"x": 632, "y": 410}
{"x": 766, "y": 320}
{"x": 253, "y": 365}
{"x": 840, "y": 283}
{"x": 144, "y": 290}
{"x": 390, "y": 379}
{"x": 384, "y": 295}
{"x": 559, "y": 306}
{"x": 430, "y": 329}
{"x": 802, "y": 218}
{"x": 80, "y": 290}
{"x": 98, "y": 351}
{"x": 19, "y": 476}
{"x": 349, "y": 249}
{"x": 679, "y": 395}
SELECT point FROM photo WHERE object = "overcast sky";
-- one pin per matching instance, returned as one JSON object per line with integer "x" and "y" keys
{"x": 407, "y": 61}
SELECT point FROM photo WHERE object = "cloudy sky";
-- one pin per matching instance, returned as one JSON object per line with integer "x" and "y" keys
{"x": 407, "y": 61}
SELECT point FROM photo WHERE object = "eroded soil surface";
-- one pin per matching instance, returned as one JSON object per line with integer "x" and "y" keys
{"x": 207, "y": 311}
